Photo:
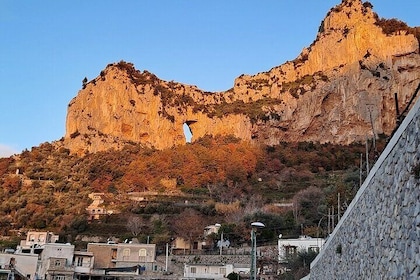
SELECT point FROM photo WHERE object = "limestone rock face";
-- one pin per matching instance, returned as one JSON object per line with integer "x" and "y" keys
{"x": 339, "y": 90}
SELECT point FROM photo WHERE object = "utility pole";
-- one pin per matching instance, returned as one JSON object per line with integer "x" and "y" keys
{"x": 329, "y": 220}
{"x": 221, "y": 243}
{"x": 373, "y": 127}
{"x": 338, "y": 207}
{"x": 361, "y": 170}
{"x": 166, "y": 257}
{"x": 367, "y": 157}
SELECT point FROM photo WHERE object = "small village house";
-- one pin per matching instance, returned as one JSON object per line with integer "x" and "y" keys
{"x": 56, "y": 262}
{"x": 96, "y": 209}
{"x": 16, "y": 264}
{"x": 83, "y": 265}
{"x": 123, "y": 255}
{"x": 290, "y": 247}
{"x": 207, "y": 271}
{"x": 35, "y": 240}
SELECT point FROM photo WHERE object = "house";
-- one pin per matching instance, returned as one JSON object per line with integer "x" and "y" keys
{"x": 83, "y": 265}
{"x": 211, "y": 229}
{"x": 35, "y": 239}
{"x": 55, "y": 262}
{"x": 20, "y": 264}
{"x": 96, "y": 208}
{"x": 123, "y": 255}
{"x": 40, "y": 257}
{"x": 207, "y": 271}
{"x": 290, "y": 247}
{"x": 181, "y": 246}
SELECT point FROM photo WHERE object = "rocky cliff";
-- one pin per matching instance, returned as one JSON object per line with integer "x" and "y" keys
{"x": 340, "y": 90}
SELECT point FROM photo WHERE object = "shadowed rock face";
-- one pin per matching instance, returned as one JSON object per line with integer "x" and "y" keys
{"x": 336, "y": 91}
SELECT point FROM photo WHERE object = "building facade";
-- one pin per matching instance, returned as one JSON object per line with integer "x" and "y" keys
{"x": 35, "y": 240}
{"x": 56, "y": 262}
{"x": 22, "y": 264}
{"x": 207, "y": 271}
{"x": 123, "y": 255}
{"x": 290, "y": 247}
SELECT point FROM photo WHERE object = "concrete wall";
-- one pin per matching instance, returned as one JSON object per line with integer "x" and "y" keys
{"x": 379, "y": 234}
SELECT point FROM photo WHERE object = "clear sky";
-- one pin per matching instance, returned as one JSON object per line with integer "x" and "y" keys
{"x": 47, "y": 48}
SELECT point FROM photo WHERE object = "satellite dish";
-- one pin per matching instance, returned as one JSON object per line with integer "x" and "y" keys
{"x": 257, "y": 225}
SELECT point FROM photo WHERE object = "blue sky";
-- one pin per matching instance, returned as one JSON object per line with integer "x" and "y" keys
{"x": 49, "y": 46}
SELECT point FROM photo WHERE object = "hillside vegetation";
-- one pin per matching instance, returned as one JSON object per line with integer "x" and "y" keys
{"x": 213, "y": 180}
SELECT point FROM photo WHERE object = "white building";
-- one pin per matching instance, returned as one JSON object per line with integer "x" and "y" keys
{"x": 83, "y": 264}
{"x": 207, "y": 271}
{"x": 36, "y": 239}
{"x": 23, "y": 264}
{"x": 56, "y": 262}
{"x": 211, "y": 229}
{"x": 290, "y": 247}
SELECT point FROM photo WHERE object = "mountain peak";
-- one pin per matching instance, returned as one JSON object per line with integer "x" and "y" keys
{"x": 340, "y": 89}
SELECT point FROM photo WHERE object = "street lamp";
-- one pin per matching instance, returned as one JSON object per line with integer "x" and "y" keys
{"x": 221, "y": 238}
{"x": 254, "y": 227}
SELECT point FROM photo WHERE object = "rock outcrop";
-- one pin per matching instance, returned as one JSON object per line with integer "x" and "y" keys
{"x": 339, "y": 90}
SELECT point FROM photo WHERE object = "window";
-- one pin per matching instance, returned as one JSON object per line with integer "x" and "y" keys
{"x": 59, "y": 277}
{"x": 290, "y": 250}
{"x": 314, "y": 249}
{"x": 126, "y": 252}
{"x": 57, "y": 263}
{"x": 222, "y": 271}
{"x": 79, "y": 261}
{"x": 142, "y": 255}
{"x": 31, "y": 237}
{"x": 114, "y": 254}
{"x": 193, "y": 270}
{"x": 42, "y": 238}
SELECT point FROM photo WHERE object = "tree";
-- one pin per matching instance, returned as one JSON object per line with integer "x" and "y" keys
{"x": 233, "y": 276}
{"x": 84, "y": 82}
{"x": 135, "y": 224}
{"x": 299, "y": 264}
{"x": 189, "y": 225}
{"x": 235, "y": 233}
{"x": 160, "y": 230}
{"x": 77, "y": 225}
{"x": 12, "y": 184}
{"x": 306, "y": 203}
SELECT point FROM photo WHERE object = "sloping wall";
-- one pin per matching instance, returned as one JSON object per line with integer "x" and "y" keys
{"x": 379, "y": 234}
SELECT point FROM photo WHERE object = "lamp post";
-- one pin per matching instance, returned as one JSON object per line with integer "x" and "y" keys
{"x": 254, "y": 227}
{"x": 221, "y": 238}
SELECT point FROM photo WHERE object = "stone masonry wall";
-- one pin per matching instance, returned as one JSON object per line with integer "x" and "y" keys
{"x": 379, "y": 235}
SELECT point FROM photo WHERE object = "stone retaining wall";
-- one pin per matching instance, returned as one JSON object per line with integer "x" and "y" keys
{"x": 379, "y": 234}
